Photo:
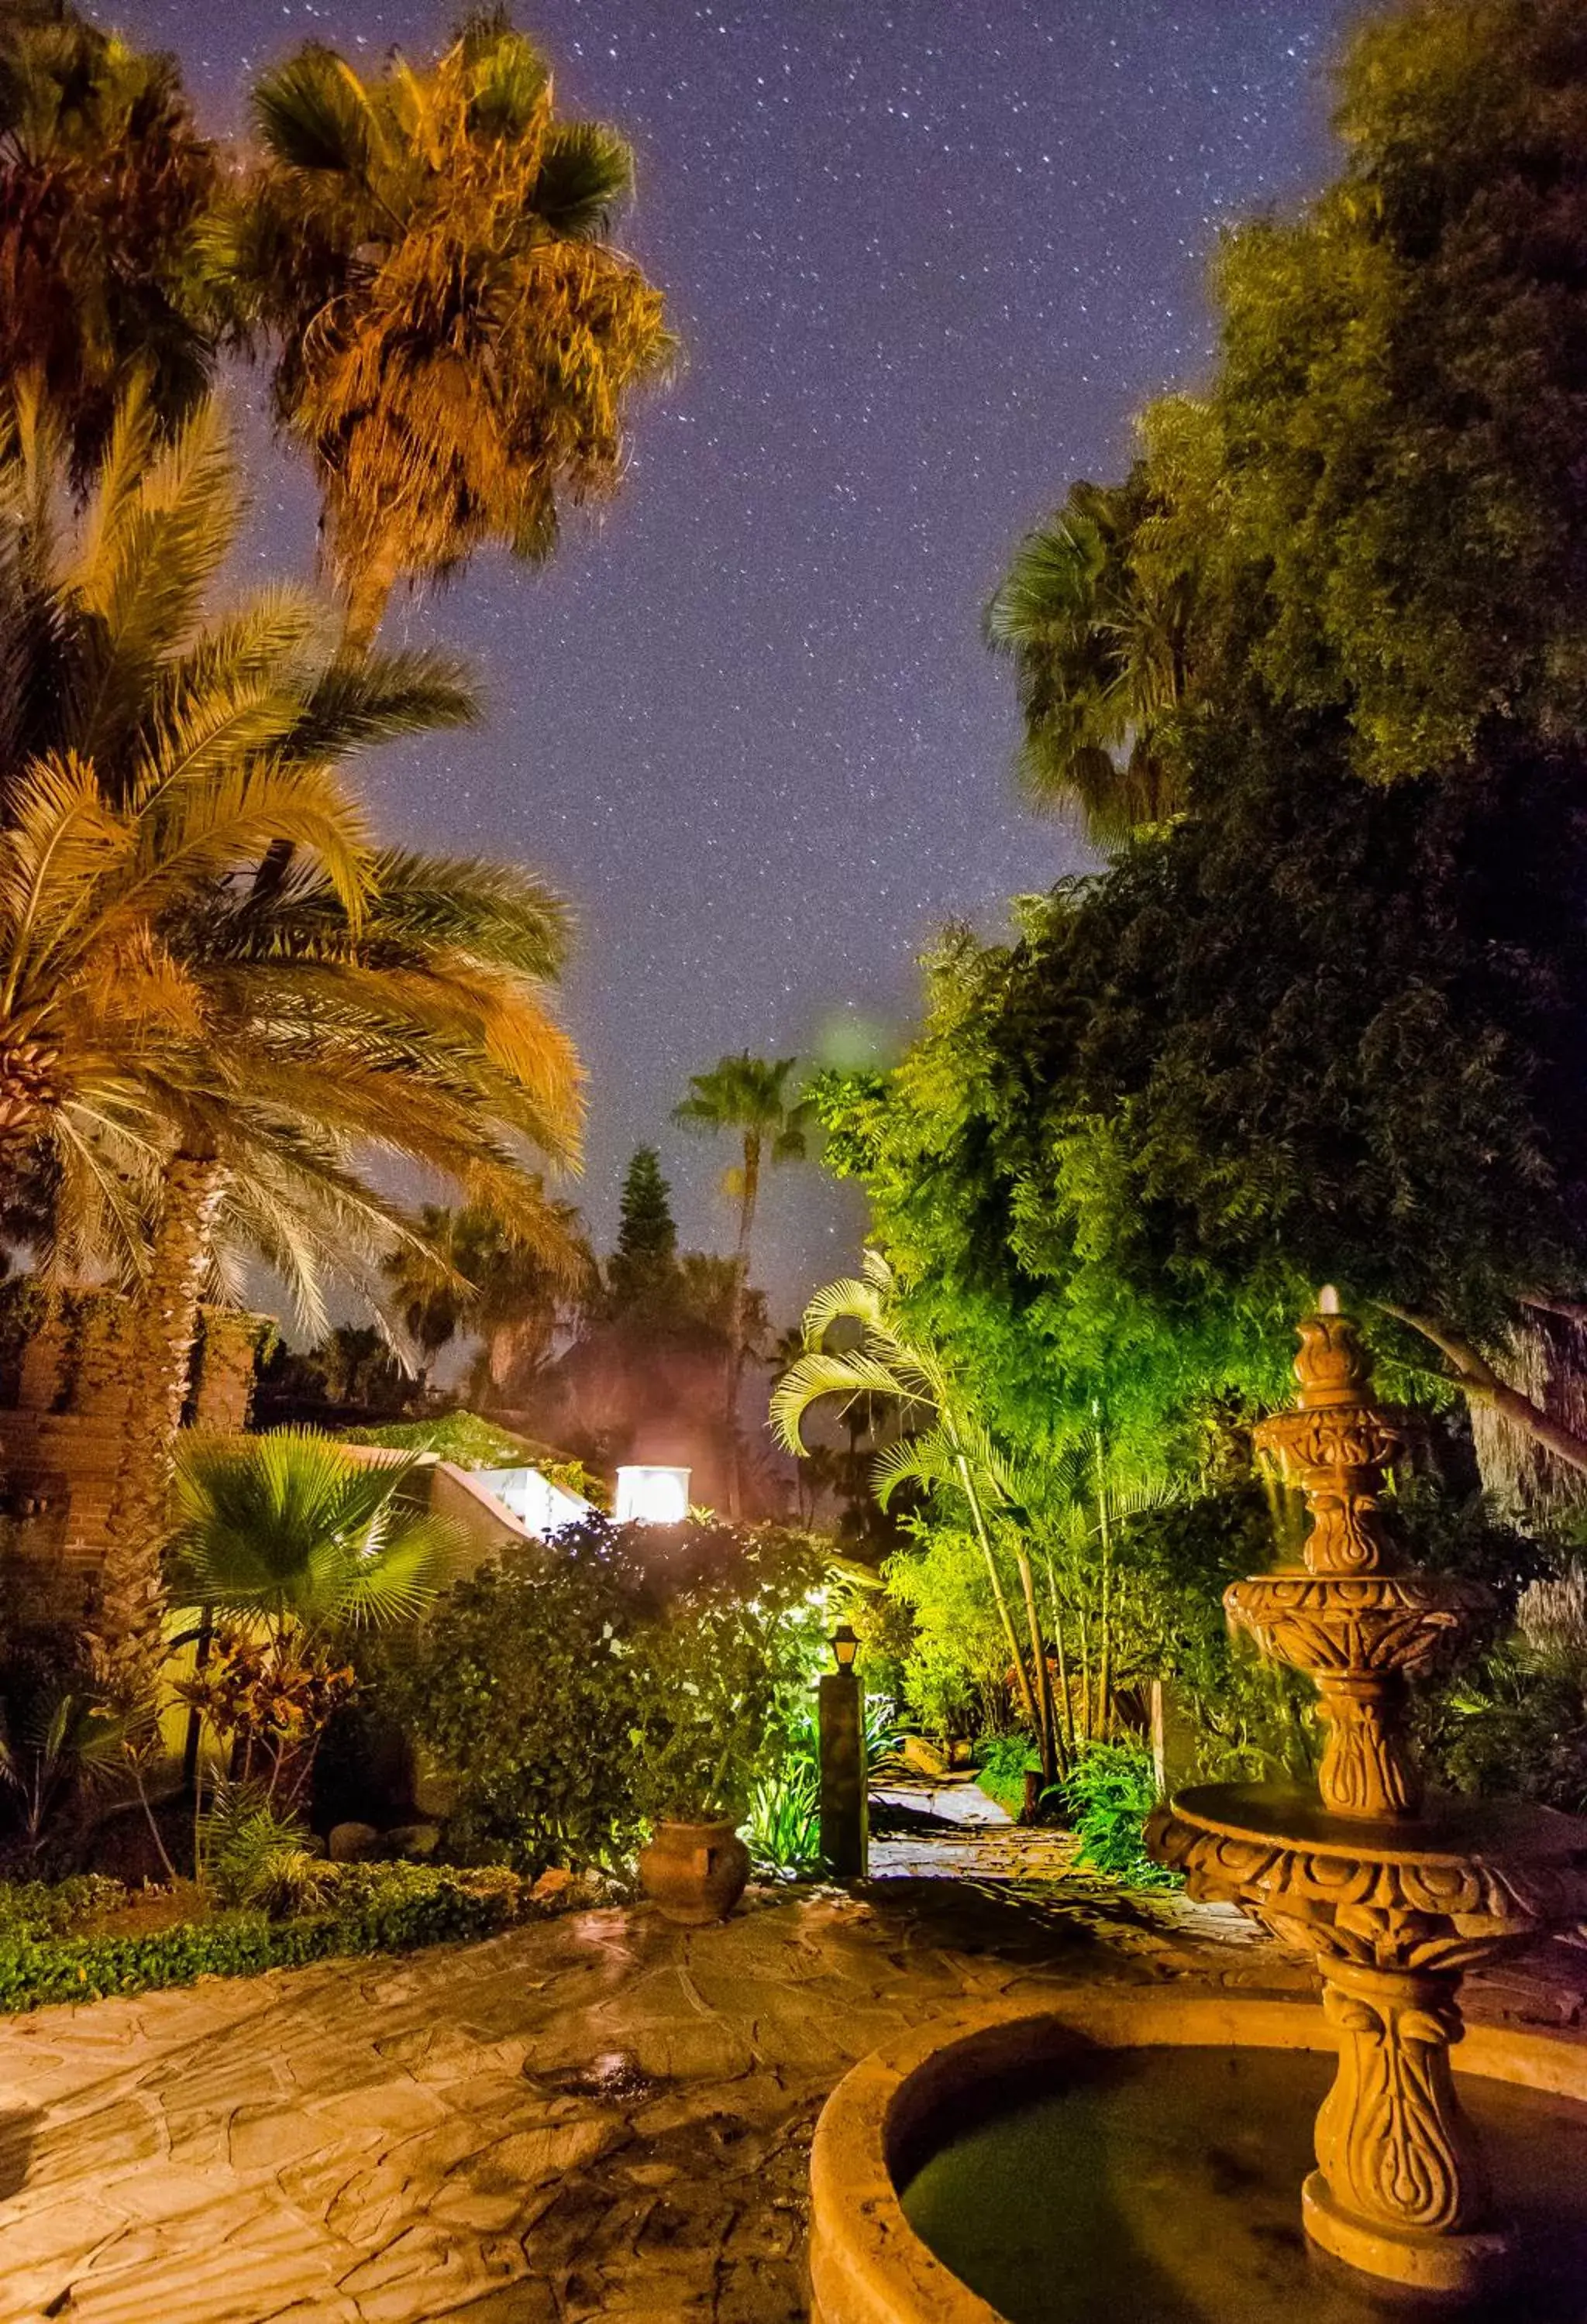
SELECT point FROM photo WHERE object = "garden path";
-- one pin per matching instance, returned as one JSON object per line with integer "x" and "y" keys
{"x": 594, "y": 2116}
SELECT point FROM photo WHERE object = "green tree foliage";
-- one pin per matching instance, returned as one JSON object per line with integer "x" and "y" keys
{"x": 105, "y": 187}
{"x": 1375, "y": 508}
{"x": 641, "y": 1269}
{"x": 1326, "y": 1025}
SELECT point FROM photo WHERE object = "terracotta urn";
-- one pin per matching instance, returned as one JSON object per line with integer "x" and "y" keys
{"x": 694, "y": 1873}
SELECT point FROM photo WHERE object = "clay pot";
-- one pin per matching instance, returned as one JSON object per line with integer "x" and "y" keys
{"x": 693, "y": 1872}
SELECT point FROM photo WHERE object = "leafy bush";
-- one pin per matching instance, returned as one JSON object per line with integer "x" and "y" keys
{"x": 250, "y": 1852}
{"x": 1000, "y": 1762}
{"x": 55, "y": 1908}
{"x": 1108, "y": 1793}
{"x": 726, "y": 1670}
{"x": 783, "y": 1827}
{"x": 366, "y": 1909}
{"x": 580, "y": 1687}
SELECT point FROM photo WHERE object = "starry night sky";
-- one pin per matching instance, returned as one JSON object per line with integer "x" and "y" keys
{"x": 927, "y": 259}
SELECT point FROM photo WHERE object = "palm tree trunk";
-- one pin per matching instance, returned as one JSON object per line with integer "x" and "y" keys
{"x": 368, "y": 594}
{"x": 1088, "y": 1732}
{"x": 28, "y": 1094}
{"x": 749, "y": 1195}
{"x": 165, "y": 1328}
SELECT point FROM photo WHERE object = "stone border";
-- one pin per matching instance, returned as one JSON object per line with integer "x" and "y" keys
{"x": 868, "y": 2265}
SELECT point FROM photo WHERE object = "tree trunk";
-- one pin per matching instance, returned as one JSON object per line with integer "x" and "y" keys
{"x": 1045, "y": 1730}
{"x": 1065, "y": 1731}
{"x": 1021, "y": 1680}
{"x": 165, "y": 1328}
{"x": 1104, "y": 1683}
{"x": 1480, "y": 1384}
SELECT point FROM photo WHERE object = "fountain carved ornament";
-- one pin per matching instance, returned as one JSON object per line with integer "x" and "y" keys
{"x": 1395, "y": 1898}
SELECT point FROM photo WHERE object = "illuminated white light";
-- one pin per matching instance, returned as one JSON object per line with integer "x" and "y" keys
{"x": 652, "y": 1496}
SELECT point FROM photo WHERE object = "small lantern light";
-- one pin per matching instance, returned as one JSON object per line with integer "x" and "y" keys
{"x": 845, "y": 1645}
{"x": 652, "y": 1496}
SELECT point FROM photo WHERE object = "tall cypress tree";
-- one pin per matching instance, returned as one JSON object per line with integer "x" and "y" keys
{"x": 641, "y": 1270}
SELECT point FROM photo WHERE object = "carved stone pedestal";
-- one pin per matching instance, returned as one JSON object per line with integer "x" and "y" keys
{"x": 1394, "y": 1913}
{"x": 1400, "y": 2189}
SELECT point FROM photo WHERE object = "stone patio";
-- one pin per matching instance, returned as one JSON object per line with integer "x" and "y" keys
{"x": 599, "y": 2115}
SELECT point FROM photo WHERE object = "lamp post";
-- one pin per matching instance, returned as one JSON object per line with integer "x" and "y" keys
{"x": 844, "y": 1813}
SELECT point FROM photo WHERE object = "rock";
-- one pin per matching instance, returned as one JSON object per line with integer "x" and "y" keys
{"x": 553, "y": 1883}
{"x": 924, "y": 1757}
{"x": 413, "y": 1839}
{"x": 351, "y": 1843}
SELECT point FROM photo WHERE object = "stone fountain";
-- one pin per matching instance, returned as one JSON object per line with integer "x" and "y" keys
{"x": 1397, "y": 1896}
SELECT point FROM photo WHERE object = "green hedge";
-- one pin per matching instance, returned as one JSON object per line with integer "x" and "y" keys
{"x": 376, "y": 1908}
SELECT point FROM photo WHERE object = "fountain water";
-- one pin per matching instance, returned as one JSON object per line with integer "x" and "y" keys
{"x": 1115, "y": 2154}
{"x": 1396, "y": 1899}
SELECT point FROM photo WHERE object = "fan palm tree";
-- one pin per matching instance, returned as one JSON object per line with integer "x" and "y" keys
{"x": 457, "y": 336}
{"x": 945, "y": 1444}
{"x": 189, "y": 1027}
{"x": 105, "y": 186}
{"x": 1097, "y": 637}
{"x": 293, "y": 1531}
{"x": 749, "y": 1097}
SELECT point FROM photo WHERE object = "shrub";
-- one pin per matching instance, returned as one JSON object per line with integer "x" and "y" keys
{"x": 367, "y": 1909}
{"x": 783, "y": 1827}
{"x": 582, "y": 1687}
{"x": 1001, "y": 1762}
{"x": 1108, "y": 1793}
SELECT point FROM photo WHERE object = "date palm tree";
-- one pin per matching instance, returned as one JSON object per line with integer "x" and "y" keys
{"x": 106, "y": 186}
{"x": 750, "y": 1097}
{"x": 457, "y": 337}
{"x": 192, "y": 1032}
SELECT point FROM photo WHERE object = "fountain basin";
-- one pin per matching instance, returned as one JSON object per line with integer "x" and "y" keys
{"x": 1079, "y": 2073}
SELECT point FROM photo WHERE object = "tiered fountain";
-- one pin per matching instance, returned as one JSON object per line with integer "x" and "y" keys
{"x": 1395, "y": 1898}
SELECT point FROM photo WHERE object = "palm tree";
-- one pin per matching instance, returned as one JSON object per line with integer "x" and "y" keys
{"x": 105, "y": 188}
{"x": 467, "y": 1272}
{"x": 749, "y": 1096}
{"x": 1096, "y": 631}
{"x": 456, "y": 337}
{"x": 293, "y": 1531}
{"x": 192, "y": 1029}
{"x": 947, "y": 1444}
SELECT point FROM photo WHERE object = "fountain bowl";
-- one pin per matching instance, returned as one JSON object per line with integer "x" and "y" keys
{"x": 905, "y": 2101}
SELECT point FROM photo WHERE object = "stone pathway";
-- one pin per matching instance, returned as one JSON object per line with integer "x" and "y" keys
{"x": 593, "y": 2116}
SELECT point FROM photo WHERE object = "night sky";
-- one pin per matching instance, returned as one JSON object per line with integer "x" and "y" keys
{"x": 926, "y": 260}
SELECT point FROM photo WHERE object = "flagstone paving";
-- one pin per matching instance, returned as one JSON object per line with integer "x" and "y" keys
{"x": 598, "y": 2115}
